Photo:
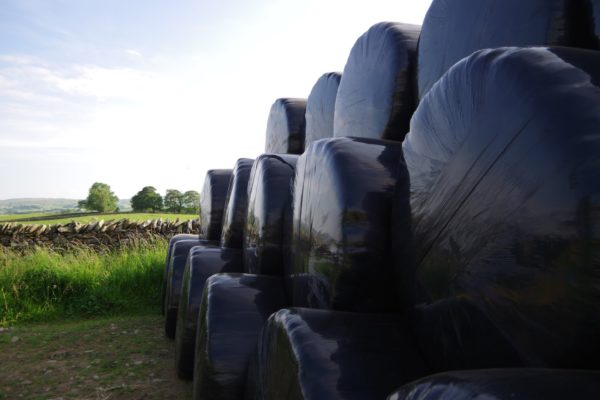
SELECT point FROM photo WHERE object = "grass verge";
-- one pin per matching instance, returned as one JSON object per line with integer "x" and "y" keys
{"x": 44, "y": 285}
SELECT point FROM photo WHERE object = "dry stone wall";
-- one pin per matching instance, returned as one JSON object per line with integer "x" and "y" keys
{"x": 98, "y": 235}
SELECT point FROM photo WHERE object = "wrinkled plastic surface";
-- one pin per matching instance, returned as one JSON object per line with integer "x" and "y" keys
{"x": 376, "y": 94}
{"x": 202, "y": 263}
{"x": 286, "y": 127}
{"x": 212, "y": 203}
{"x": 318, "y": 354}
{"x": 179, "y": 256}
{"x": 320, "y": 107}
{"x": 508, "y": 384}
{"x": 341, "y": 256}
{"x": 236, "y": 205}
{"x": 453, "y": 29}
{"x": 234, "y": 308}
{"x": 503, "y": 156}
{"x": 269, "y": 222}
{"x": 172, "y": 241}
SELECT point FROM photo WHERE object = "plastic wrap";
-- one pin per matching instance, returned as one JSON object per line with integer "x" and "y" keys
{"x": 341, "y": 255}
{"x": 172, "y": 241}
{"x": 317, "y": 354}
{"x": 179, "y": 256}
{"x": 503, "y": 384}
{"x": 503, "y": 156}
{"x": 376, "y": 94}
{"x": 234, "y": 308}
{"x": 285, "y": 127}
{"x": 269, "y": 222}
{"x": 236, "y": 205}
{"x": 453, "y": 29}
{"x": 212, "y": 203}
{"x": 202, "y": 263}
{"x": 320, "y": 107}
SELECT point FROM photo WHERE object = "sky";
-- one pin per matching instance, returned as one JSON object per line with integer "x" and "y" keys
{"x": 155, "y": 92}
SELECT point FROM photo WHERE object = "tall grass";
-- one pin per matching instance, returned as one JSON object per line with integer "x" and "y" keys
{"x": 44, "y": 285}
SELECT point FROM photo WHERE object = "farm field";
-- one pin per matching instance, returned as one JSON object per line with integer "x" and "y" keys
{"x": 125, "y": 357}
{"x": 85, "y": 325}
{"x": 47, "y": 219}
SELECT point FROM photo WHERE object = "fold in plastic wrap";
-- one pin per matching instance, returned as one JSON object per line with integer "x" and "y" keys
{"x": 179, "y": 256}
{"x": 320, "y": 107}
{"x": 269, "y": 222}
{"x": 285, "y": 127}
{"x": 504, "y": 384}
{"x": 453, "y": 29}
{"x": 341, "y": 255}
{"x": 202, "y": 263}
{"x": 504, "y": 160}
{"x": 172, "y": 241}
{"x": 318, "y": 354}
{"x": 233, "y": 310}
{"x": 212, "y": 203}
{"x": 376, "y": 94}
{"x": 236, "y": 205}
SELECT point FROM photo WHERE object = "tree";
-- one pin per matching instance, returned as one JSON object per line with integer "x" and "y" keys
{"x": 147, "y": 199}
{"x": 191, "y": 201}
{"x": 174, "y": 200}
{"x": 100, "y": 198}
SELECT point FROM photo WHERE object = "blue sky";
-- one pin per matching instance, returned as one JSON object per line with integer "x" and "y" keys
{"x": 147, "y": 92}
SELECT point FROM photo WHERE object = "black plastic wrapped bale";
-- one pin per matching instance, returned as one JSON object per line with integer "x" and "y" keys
{"x": 285, "y": 127}
{"x": 376, "y": 94}
{"x": 504, "y": 162}
{"x": 233, "y": 310}
{"x": 202, "y": 263}
{"x": 236, "y": 208}
{"x": 504, "y": 384}
{"x": 212, "y": 203}
{"x": 179, "y": 255}
{"x": 341, "y": 255}
{"x": 453, "y": 29}
{"x": 269, "y": 221}
{"x": 318, "y": 354}
{"x": 172, "y": 241}
{"x": 320, "y": 107}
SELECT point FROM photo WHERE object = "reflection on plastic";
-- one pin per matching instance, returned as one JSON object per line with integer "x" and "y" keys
{"x": 285, "y": 127}
{"x": 202, "y": 263}
{"x": 234, "y": 307}
{"x": 453, "y": 29}
{"x": 318, "y": 354}
{"x": 269, "y": 222}
{"x": 236, "y": 205}
{"x": 342, "y": 224}
{"x": 320, "y": 107}
{"x": 376, "y": 93}
{"x": 212, "y": 203}
{"x": 505, "y": 193}
{"x": 507, "y": 384}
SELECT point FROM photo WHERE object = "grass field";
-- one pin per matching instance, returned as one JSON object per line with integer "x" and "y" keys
{"x": 47, "y": 219}
{"x": 44, "y": 285}
{"x": 8, "y": 217}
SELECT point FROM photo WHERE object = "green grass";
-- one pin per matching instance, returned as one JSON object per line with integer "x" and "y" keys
{"x": 9, "y": 217}
{"x": 58, "y": 219}
{"x": 44, "y": 285}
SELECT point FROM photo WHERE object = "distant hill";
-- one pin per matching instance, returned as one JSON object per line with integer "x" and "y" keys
{"x": 46, "y": 205}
